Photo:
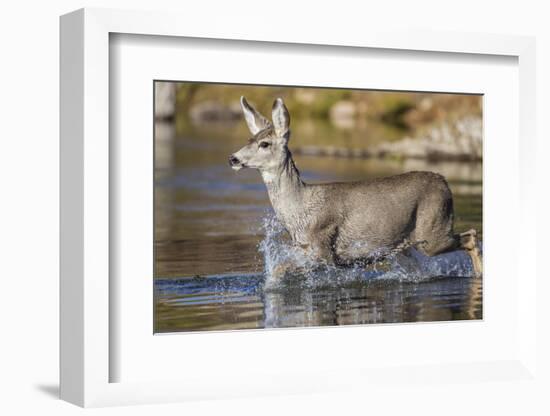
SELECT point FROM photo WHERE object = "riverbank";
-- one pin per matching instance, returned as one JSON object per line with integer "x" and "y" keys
{"x": 458, "y": 141}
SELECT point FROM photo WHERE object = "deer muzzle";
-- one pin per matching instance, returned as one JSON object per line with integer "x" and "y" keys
{"x": 235, "y": 163}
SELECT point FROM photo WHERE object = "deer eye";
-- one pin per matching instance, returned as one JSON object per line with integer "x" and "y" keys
{"x": 264, "y": 145}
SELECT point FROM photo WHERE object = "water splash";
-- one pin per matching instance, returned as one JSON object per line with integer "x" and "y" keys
{"x": 278, "y": 250}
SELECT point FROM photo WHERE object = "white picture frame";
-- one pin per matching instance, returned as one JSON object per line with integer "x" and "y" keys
{"x": 86, "y": 301}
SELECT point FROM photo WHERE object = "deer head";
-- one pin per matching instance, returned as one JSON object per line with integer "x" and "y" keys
{"x": 267, "y": 148}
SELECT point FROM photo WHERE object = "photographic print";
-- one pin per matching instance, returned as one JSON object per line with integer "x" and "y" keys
{"x": 282, "y": 206}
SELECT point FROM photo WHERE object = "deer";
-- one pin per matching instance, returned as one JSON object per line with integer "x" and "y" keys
{"x": 349, "y": 223}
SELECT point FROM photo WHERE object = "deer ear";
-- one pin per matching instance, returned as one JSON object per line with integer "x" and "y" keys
{"x": 281, "y": 119}
{"x": 255, "y": 121}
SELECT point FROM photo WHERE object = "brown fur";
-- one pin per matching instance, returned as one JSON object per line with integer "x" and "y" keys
{"x": 350, "y": 222}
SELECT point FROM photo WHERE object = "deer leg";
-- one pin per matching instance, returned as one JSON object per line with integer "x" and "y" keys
{"x": 319, "y": 253}
{"x": 320, "y": 249}
{"x": 406, "y": 244}
{"x": 406, "y": 260}
{"x": 282, "y": 269}
{"x": 324, "y": 247}
{"x": 468, "y": 242}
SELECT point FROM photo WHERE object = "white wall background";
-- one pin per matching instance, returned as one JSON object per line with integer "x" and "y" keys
{"x": 29, "y": 99}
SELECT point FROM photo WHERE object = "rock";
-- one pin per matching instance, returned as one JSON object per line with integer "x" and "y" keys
{"x": 425, "y": 104}
{"x": 461, "y": 140}
{"x": 165, "y": 100}
{"x": 304, "y": 96}
{"x": 343, "y": 114}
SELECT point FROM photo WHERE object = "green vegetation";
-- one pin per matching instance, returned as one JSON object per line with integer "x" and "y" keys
{"x": 404, "y": 110}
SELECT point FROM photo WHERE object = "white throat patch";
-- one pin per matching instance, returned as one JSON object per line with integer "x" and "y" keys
{"x": 268, "y": 177}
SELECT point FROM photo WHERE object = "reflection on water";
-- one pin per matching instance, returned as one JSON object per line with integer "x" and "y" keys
{"x": 239, "y": 302}
{"x": 208, "y": 227}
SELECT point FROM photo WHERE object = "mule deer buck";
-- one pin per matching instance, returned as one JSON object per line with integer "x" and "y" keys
{"x": 351, "y": 222}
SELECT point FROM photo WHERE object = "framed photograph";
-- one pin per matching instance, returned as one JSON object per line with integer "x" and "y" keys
{"x": 244, "y": 215}
{"x": 348, "y": 219}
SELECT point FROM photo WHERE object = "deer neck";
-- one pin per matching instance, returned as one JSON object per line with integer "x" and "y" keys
{"x": 285, "y": 189}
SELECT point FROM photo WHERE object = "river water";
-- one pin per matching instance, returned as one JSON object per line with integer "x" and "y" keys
{"x": 214, "y": 234}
